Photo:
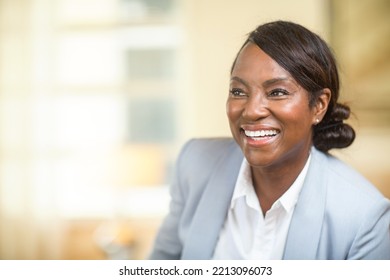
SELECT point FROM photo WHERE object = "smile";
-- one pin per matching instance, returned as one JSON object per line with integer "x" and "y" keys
{"x": 260, "y": 133}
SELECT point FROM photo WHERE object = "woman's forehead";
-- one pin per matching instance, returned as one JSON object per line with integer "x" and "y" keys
{"x": 253, "y": 62}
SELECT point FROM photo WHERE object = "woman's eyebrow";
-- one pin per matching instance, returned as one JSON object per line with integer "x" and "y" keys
{"x": 266, "y": 83}
{"x": 273, "y": 81}
{"x": 238, "y": 79}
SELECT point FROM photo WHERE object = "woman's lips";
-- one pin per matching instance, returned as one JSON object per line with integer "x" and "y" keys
{"x": 261, "y": 133}
{"x": 259, "y": 137}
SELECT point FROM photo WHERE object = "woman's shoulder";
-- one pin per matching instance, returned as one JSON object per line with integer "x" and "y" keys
{"x": 208, "y": 149}
{"x": 345, "y": 179}
{"x": 211, "y": 144}
{"x": 200, "y": 157}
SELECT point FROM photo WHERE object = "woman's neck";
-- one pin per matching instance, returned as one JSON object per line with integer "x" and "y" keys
{"x": 271, "y": 183}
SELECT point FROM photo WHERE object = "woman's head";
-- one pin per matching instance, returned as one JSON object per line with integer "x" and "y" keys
{"x": 311, "y": 63}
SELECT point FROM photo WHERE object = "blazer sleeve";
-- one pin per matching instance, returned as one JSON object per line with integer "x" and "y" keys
{"x": 168, "y": 245}
{"x": 372, "y": 241}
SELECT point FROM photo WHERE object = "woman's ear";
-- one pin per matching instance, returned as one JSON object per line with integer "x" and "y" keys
{"x": 321, "y": 105}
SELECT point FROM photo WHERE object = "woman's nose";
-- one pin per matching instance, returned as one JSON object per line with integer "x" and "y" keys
{"x": 256, "y": 108}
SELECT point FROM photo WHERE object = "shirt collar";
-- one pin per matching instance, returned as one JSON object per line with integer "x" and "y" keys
{"x": 290, "y": 197}
{"x": 244, "y": 185}
{"x": 244, "y": 188}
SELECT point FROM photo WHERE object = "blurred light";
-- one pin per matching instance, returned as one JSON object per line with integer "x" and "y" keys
{"x": 89, "y": 122}
{"x": 86, "y": 59}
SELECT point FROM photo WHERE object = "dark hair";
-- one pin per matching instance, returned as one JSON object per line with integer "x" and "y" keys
{"x": 311, "y": 63}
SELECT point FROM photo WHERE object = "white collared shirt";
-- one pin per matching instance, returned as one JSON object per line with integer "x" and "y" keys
{"x": 247, "y": 233}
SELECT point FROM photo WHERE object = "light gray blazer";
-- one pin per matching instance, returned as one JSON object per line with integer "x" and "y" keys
{"x": 339, "y": 214}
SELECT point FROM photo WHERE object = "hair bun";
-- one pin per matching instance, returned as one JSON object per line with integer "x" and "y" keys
{"x": 340, "y": 112}
{"x": 332, "y": 132}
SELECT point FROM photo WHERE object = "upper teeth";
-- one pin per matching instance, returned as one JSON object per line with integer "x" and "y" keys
{"x": 260, "y": 133}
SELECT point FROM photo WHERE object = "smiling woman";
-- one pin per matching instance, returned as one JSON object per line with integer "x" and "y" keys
{"x": 271, "y": 101}
{"x": 281, "y": 195}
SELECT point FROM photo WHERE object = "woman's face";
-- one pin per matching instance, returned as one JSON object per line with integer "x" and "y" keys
{"x": 268, "y": 111}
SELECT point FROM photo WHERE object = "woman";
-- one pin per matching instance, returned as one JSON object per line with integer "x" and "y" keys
{"x": 274, "y": 192}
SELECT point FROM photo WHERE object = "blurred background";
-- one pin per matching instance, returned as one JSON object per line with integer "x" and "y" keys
{"x": 97, "y": 97}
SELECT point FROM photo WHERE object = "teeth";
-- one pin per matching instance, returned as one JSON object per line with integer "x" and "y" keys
{"x": 260, "y": 133}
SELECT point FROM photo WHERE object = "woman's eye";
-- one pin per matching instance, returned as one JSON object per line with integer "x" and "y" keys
{"x": 278, "y": 93}
{"x": 237, "y": 92}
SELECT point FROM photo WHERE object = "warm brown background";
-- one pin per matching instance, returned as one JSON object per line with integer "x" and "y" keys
{"x": 97, "y": 97}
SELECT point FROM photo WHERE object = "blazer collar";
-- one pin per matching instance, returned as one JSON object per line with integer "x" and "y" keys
{"x": 213, "y": 207}
{"x": 306, "y": 224}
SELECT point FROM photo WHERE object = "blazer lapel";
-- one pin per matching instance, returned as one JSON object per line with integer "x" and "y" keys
{"x": 305, "y": 228}
{"x": 213, "y": 207}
